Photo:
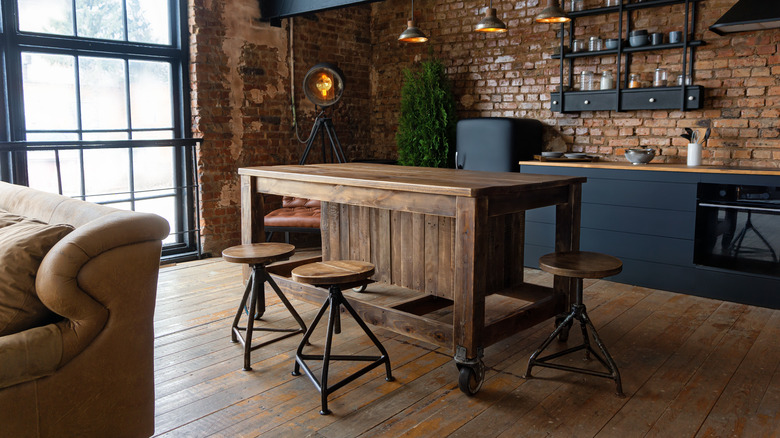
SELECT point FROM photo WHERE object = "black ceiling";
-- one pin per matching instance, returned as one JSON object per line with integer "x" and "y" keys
{"x": 275, "y": 10}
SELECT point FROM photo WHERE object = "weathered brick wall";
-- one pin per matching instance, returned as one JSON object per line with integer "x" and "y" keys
{"x": 512, "y": 75}
{"x": 241, "y": 107}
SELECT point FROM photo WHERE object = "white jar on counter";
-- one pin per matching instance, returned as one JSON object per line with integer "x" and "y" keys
{"x": 694, "y": 154}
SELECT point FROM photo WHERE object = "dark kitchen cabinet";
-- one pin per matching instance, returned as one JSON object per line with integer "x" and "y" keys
{"x": 622, "y": 98}
{"x": 648, "y": 220}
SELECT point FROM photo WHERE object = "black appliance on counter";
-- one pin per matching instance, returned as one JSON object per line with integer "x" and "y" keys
{"x": 738, "y": 228}
{"x": 497, "y": 144}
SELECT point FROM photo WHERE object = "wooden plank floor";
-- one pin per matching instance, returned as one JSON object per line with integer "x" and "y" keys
{"x": 691, "y": 367}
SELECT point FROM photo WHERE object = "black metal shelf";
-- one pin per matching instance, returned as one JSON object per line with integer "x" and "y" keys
{"x": 626, "y": 7}
{"x": 622, "y": 98}
{"x": 628, "y": 49}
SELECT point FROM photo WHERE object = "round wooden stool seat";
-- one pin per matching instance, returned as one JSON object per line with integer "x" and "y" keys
{"x": 258, "y": 253}
{"x": 580, "y": 264}
{"x": 333, "y": 272}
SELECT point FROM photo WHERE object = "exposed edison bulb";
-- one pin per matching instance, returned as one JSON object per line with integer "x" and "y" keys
{"x": 324, "y": 84}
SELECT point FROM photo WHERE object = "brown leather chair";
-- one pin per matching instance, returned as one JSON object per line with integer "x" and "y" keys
{"x": 90, "y": 373}
{"x": 297, "y": 215}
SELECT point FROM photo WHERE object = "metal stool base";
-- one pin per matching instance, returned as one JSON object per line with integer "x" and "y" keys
{"x": 578, "y": 313}
{"x": 255, "y": 294}
{"x": 334, "y": 301}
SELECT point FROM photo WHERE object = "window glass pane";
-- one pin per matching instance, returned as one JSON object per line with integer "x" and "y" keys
{"x": 99, "y": 136}
{"x": 150, "y": 94}
{"x": 46, "y": 16}
{"x": 100, "y": 19}
{"x": 152, "y": 135}
{"x": 148, "y": 21}
{"x": 107, "y": 171}
{"x": 103, "y": 97}
{"x": 165, "y": 207}
{"x": 49, "y": 86}
{"x": 153, "y": 168}
{"x": 42, "y": 166}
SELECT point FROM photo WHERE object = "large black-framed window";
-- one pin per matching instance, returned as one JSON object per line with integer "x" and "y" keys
{"x": 95, "y": 105}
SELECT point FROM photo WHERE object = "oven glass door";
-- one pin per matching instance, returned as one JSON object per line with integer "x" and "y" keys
{"x": 742, "y": 238}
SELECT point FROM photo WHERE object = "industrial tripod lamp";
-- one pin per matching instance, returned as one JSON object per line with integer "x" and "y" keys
{"x": 323, "y": 85}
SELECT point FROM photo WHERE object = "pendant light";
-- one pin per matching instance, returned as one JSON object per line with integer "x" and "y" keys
{"x": 552, "y": 13}
{"x": 412, "y": 34}
{"x": 490, "y": 23}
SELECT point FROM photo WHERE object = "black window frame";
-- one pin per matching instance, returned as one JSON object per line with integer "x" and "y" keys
{"x": 13, "y": 166}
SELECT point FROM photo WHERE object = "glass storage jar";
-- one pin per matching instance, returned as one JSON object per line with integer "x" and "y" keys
{"x": 660, "y": 77}
{"x": 606, "y": 80}
{"x": 578, "y": 45}
{"x": 594, "y": 44}
{"x": 586, "y": 81}
{"x": 634, "y": 81}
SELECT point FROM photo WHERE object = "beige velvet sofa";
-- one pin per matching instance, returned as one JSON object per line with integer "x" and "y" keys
{"x": 90, "y": 373}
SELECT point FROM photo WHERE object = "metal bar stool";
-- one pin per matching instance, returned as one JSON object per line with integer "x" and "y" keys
{"x": 578, "y": 265}
{"x": 257, "y": 256}
{"x": 334, "y": 275}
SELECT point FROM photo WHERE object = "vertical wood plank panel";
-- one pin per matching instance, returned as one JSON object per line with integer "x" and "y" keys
{"x": 364, "y": 233}
{"x": 407, "y": 248}
{"x": 334, "y": 238}
{"x": 567, "y": 238}
{"x": 496, "y": 260}
{"x": 431, "y": 253}
{"x": 354, "y": 232}
{"x": 383, "y": 245}
{"x": 418, "y": 251}
{"x": 396, "y": 232}
{"x": 446, "y": 242}
{"x": 344, "y": 221}
{"x": 325, "y": 230}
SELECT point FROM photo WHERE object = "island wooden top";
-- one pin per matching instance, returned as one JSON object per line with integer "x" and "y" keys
{"x": 452, "y": 182}
{"x": 662, "y": 167}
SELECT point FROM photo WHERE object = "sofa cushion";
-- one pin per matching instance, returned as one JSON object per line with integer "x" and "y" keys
{"x": 7, "y": 218}
{"x": 23, "y": 244}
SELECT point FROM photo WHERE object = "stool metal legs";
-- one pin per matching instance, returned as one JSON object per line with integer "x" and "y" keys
{"x": 578, "y": 313}
{"x": 334, "y": 301}
{"x": 255, "y": 294}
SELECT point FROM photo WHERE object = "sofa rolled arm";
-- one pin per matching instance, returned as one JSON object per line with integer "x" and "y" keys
{"x": 57, "y": 280}
{"x": 29, "y": 355}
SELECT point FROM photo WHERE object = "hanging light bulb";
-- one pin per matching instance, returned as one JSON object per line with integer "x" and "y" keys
{"x": 491, "y": 23}
{"x": 412, "y": 34}
{"x": 552, "y": 13}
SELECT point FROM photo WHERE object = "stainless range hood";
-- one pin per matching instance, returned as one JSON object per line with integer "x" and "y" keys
{"x": 749, "y": 15}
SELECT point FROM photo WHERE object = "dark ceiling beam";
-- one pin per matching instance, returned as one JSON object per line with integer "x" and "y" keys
{"x": 275, "y": 10}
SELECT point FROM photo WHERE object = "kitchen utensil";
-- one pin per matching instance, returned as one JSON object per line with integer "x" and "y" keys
{"x": 706, "y": 135}
{"x": 640, "y": 155}
{"x": 656, "y": 38}
{"x": 675, "y": 37}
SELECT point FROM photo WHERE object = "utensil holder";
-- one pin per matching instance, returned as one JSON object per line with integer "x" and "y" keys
{"x": 694, "y": 154}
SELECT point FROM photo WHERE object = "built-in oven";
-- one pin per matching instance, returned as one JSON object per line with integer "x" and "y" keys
{"x": 738, "y": 228}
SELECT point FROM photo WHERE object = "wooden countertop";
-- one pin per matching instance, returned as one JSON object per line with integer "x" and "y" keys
{"x": 451, "y": 182}
{"x": 661, "y": 167}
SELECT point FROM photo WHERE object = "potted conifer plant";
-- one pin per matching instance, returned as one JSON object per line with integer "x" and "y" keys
{"x": 426, "y": 129}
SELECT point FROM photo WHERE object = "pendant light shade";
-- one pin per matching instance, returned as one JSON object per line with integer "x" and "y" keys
{"x": 552, "y": 13}
{"x": 491, "y": 23}
{"x": 412, "y": 34}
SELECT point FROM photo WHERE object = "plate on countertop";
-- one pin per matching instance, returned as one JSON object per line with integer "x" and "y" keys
{"x": 551, "y": 154}
{"x": 564, "y": 159}
{"x": 575, "y": 155}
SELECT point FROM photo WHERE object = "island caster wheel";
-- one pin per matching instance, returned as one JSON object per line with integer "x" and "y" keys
{"x": 471, "y": 378}
{"x": 563, "y": 336}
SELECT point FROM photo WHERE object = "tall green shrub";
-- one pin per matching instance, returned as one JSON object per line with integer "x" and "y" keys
{"x": 426, "y": 129}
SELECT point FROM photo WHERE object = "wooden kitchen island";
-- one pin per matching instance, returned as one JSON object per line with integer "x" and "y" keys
{"x": 454, "y": 236}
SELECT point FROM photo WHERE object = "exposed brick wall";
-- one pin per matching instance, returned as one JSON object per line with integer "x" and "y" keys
{"x": 240, "y": 75}
{"x": 512, "y": 75}
{"x": 241, "y": 86}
